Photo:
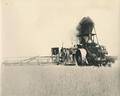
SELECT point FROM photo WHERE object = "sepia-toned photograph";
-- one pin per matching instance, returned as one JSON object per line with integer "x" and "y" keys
{"x": 60, "y": 48}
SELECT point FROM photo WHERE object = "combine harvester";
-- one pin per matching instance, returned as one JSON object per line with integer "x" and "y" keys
{"x": 87, "y": 52}
{"x": 94, "y": 54}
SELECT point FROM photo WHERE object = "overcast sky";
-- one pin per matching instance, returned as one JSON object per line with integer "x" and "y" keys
{"x": 32, "y": 27}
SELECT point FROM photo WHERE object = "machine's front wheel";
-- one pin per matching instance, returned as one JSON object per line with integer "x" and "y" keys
{"x": 78, "y": 57}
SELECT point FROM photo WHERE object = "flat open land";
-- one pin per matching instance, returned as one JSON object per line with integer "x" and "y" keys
{"x": 53, "y": 80}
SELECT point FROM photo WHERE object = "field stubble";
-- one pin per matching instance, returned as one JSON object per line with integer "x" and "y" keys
{"x": 60, "y": 81}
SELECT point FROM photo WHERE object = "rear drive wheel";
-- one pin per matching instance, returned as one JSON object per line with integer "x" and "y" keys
{"x": 78, "y": 57}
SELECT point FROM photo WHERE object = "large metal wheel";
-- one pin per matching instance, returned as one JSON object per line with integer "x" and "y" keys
{"x": 89, "y": 59}
{"x": 78, "y": 57}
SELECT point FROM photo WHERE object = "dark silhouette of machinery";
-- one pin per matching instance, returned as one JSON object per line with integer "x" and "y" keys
{"x": 96, "y": 54}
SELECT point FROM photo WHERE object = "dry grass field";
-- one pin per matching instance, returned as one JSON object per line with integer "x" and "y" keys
{"x": 53, "y": 80}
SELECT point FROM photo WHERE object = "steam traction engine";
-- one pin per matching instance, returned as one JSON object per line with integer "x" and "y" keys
{"x": 96, "y": 54}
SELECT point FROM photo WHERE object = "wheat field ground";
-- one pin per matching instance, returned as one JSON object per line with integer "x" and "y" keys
{"x": 53, "y": 80}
